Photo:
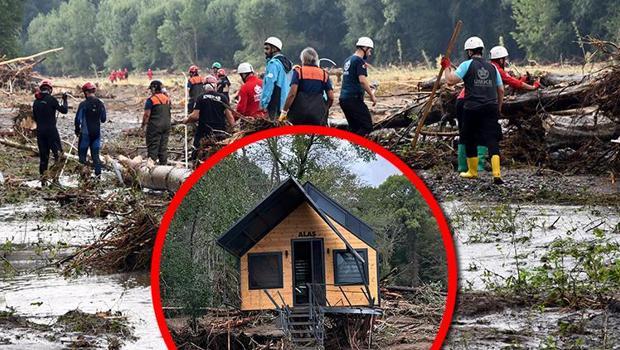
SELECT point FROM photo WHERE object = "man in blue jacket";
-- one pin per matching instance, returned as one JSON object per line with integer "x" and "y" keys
{"x": 88, "y": 118}
{"x": 276, "y": 82}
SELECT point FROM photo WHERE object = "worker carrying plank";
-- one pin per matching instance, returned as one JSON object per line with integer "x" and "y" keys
{"x": 354, "y": 84}
{"x": 88, "y": 118}
{"x": 44, "y": 110}
{"x": 484, "y": 93}
{"x": 156, "y": 121}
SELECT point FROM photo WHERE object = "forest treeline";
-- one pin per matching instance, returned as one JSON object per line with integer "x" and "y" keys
{"x": 111, "y": 34}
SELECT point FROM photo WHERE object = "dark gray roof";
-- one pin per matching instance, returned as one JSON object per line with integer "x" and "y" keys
{"x": 281, "y": 202}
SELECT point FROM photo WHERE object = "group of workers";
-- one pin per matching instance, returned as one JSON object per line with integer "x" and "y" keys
{"x": 116, "y": 75}
{"x": 300, "y": 94}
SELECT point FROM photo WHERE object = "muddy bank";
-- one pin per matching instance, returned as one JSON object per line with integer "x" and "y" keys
{"x": 524, "y": 185}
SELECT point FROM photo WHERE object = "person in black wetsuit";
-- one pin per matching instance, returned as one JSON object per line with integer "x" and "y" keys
{"x": 88, "y": 118}
{"x": 44, "y": 113}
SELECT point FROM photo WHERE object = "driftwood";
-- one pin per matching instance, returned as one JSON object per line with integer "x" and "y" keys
{"x": 574, "y": 123}
{"x": 18, "y": 72}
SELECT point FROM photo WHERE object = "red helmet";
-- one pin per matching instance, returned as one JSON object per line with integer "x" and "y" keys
{"x": 221, "y": 72}
{"x": 193, "y": 69}
{"x": 46, "y": 82}
{"x": 88, "y": 87}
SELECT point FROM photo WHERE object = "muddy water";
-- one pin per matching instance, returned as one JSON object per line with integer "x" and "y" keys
{"x": 487, "y": 251}
{"x": 42, "y": 297}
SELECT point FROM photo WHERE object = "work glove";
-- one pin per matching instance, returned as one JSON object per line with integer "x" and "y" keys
{"x": 283, "y": 116}
{"x": 445, "y": 63}
{"x": 537, "y": 84}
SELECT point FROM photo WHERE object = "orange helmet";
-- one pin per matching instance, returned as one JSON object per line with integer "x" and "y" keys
{"x": 46, "y": 82}
{"x": 88, "y": 87}
{"x": 221, "y": 72}
{"x": 193, "y": 69}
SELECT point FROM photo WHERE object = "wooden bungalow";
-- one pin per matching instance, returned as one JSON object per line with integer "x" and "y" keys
{"x": 303, "y": 254}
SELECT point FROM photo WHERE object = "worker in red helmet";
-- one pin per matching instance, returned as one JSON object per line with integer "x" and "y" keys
{"x": 195, "y": 86}
{"x": 149, "y": 74}
{"x": 88, "y": 118}
{"x": 44, "y": 113}
{"x": 223, "y": 84}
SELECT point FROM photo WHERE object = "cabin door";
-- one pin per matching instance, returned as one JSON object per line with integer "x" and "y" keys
{"x": 308, "y": 268}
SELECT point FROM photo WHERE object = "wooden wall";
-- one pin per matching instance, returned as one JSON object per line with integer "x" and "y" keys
{"x": 304, "y": 218}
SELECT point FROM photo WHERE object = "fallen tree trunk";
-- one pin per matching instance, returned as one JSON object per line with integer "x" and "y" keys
{"x": 145, "y": 173}
{"x": 550, "y": 100}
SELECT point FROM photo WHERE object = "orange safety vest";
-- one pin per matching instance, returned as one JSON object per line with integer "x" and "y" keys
{"x": 161, "y": 111}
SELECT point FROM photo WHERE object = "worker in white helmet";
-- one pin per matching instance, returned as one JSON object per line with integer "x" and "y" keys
{"x": 277, "y": 78}
{"x": 499, "y": 57}
{"x": 484, "y": 93}
{"x": 354, "y": 86}
{"x": 250, "y": 92}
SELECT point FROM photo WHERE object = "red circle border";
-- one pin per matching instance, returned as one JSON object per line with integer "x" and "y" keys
{"x": 444, "y": 228}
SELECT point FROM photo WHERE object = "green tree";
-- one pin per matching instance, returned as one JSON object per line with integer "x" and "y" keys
{"x": 70, "y": 26}
{"x": 10, "y": 20}
{"x": 115, "y": 23}
{"x": 146, "y": 48}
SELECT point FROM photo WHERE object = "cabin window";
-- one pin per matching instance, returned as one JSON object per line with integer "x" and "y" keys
{"x": 265, "y": 270}
{"x": 346, "y": 271}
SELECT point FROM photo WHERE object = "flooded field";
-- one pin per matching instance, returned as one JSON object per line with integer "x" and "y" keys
{"x": 39, "y": 295}
{"x": 497, "y": 244}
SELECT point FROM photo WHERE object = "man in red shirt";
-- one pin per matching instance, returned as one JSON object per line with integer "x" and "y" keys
{"x": 499, "y": 56}
{"x": 250, "y": 92}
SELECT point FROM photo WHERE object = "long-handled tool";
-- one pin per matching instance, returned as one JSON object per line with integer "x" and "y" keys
{"x": 186, "y": 115}
{"x": 429, "y": 104}
{"x": 67, "y": 158}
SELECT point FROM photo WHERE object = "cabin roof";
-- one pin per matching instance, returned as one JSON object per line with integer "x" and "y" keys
{"x": 279, "y": 204}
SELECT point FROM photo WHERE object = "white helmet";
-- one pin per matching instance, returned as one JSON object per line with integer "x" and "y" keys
{"x": 498, "y": 52}
{"x": 272, "y": 40}
{"x": 245, "y": 68}
{"x": 365, "y": 42}
{"x": 473, "y": 43}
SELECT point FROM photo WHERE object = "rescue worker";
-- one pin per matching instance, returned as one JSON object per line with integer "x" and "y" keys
{"x": 223, "y": 84}
{"x": 149, "y": 74}
{"x": 461, "y": 156}
{"x": 354, "y": 84}
{"x": 44, "y": 110}
{"x": 484, "y": 93}
{"x": 276, "y": 81}
{"x": 250, "y": 92}
{"x": 306, "y": 103}
{"x": 499, "y": 58}
{"x": 215, "y": 67}
{"x": 195, "y": 87}
{"x": 211, "y": 113}
{"x": 88, "y": 118}
{"x": 156, "y": 120}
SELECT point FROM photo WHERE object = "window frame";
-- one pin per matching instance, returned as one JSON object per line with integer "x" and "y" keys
{"x": 279, "y": 271}
{"x": 362, "y": 252}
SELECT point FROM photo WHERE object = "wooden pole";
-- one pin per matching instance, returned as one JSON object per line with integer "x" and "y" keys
{"x": 18, "y": 59}
{"x": 429, "y": 103}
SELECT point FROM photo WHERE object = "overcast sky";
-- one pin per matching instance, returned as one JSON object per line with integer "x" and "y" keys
{"x": 375, "y": 172}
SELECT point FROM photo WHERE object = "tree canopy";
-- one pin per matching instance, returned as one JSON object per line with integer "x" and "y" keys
{"x": 138, "y": 34}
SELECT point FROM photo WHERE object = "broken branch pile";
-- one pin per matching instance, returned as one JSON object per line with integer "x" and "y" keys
{"x": 18, "y": 73}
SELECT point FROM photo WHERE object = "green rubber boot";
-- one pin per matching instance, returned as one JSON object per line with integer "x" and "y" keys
{"x": 482, "y": 156}
{"x": 461, "y": 158}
